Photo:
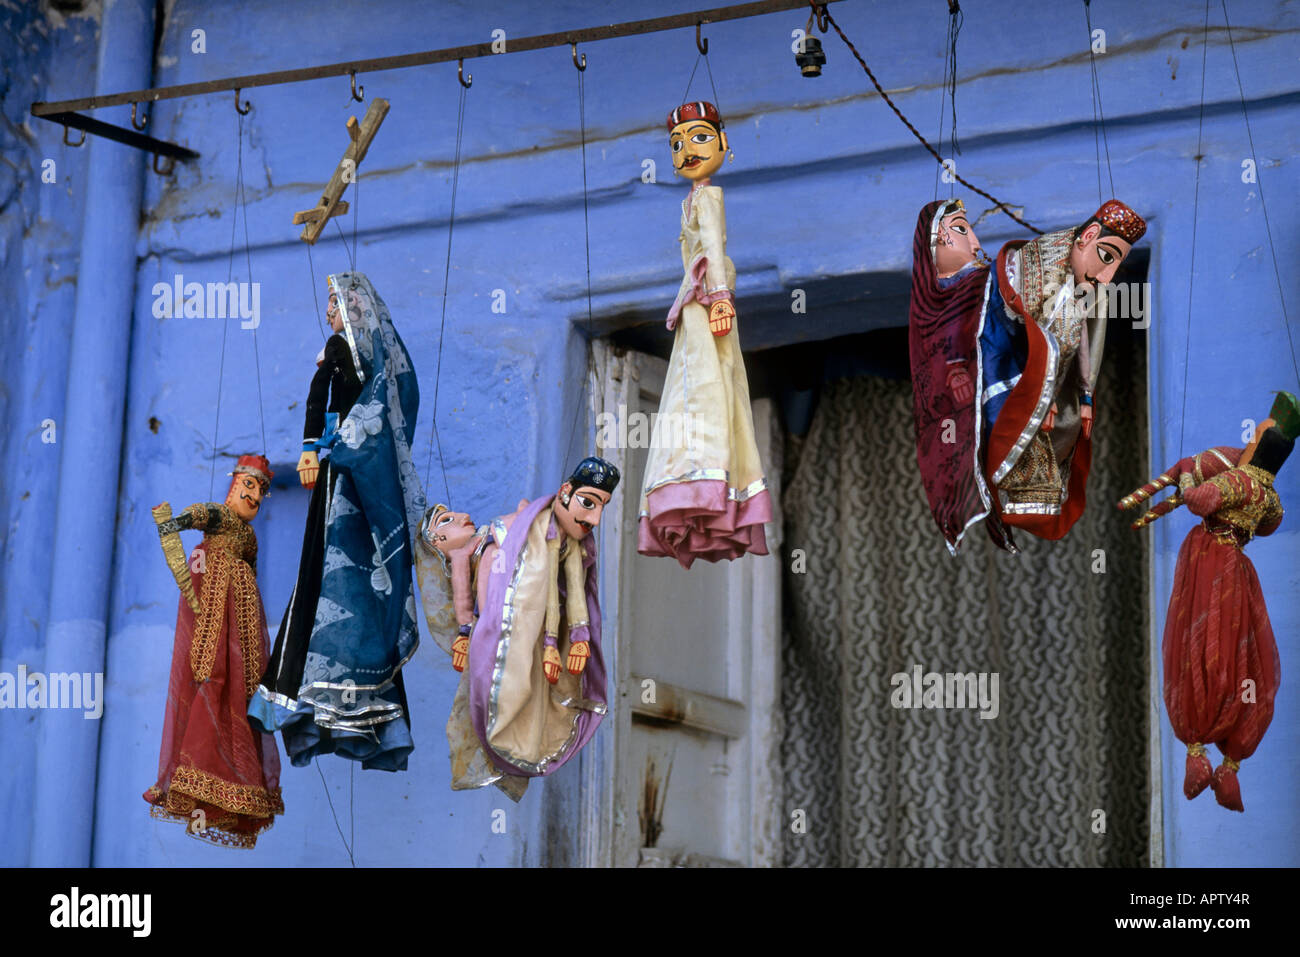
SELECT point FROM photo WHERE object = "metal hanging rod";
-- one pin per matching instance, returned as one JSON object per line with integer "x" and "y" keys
{"x": 65, "y": 111}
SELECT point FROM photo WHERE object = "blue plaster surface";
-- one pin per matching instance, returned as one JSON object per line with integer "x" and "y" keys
{"x": 826, "y": 185}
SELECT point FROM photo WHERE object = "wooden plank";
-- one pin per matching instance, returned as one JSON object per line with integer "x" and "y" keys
{"x": 347, "y": 170}
{"x": 315, "y": 213}
{"x": 681, "y": 707}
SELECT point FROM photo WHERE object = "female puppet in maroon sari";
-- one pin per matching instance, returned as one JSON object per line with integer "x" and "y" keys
{"x": 215, "y": 773}
{"x": 1221, "y": 667}
{"x": 950, "y": 289}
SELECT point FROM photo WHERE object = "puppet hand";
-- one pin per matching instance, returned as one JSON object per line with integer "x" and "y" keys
{"x": 960, "y": 385}
{"x": 720, "y": 315}
{"x": 579, "y": 652}
{"x": 551, "y": 663}
{"x": 460, "y": 653}
{"x": 1204, "y": 499}
{"x": 1049, "y": 422}
{"x": 1085, "y": 420}
{"x": 308, "y": 469}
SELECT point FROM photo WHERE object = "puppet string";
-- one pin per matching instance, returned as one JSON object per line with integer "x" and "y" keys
{"x": 586, "y": 232}
{"x": 1196, "y": 207}
{"x": 442, "y": 323}
{"x": 225, "y": 323}
{"x": 949, "y": 91}
{"x": 1098, "y": 114}
{"x": 352, "y": 259}
{"x": 337, "y": 826}
{"x": 998, "y": 204}
{"x": 689, "y": 81}
{"x": 314, "y": 298}
{"x": 248, "y": 267}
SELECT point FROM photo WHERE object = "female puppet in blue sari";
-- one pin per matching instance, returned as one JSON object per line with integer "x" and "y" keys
{"x": 334, "y": 681}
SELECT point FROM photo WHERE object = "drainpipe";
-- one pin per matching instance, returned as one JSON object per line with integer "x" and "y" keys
{"x": 67, "y": 748}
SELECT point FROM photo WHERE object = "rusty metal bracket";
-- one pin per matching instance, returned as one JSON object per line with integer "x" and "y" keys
{"x": 120, "y": 134}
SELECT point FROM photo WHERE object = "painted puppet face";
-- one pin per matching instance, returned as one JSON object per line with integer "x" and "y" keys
{"x": 448, "y": 531}
{"x": 245, "y": 496}
{"x": 335, "y": 316}
{"x": 578, "y": 510}
{"x": 1094, "y": 258}
{"x": 698, "y": 149}
{"x": 955, "y": 244}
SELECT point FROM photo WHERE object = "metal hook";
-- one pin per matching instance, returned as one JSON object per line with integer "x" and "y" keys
{"x": 465, "y": 81}
{"x": 583, "y": 65}
{"x": 701, "y": 45}
{"x": 68, "y": 142}
{"x": 242, "y": 110}
{"x": 171, "y": 165}
{"x": 144, "y": 121}
{"x": 356, "y": 95}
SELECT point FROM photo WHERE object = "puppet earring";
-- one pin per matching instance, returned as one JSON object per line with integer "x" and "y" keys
{"x": 731, "y": 156}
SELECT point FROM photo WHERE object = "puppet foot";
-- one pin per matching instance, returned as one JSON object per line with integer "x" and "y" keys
{"x": 551, "y": 661}
{"x": 579, "y": 652}
{"x": 460, "y": 653}
{"x": 1198, "y": 774}
{"x": 1226, "y": 789}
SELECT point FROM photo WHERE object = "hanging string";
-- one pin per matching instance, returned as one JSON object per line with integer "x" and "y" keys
{"x": 356, "y": 216}
{"x": 1259, "y": 182}
{"x": 315, "y": 298}
{"x": 949, "y": 93}
{"x": 997, "y": 203}
{"x": 241, "y": 201}
{"x": 586, "y": 235}
{"x": 346, "y": 846}
{"x": 442, "y": 324}
{"x": 352, "y": 260}
{"x": 687, "y": 91}
{"x": 1098, "y": 115}
{"x": 248, "y": 267}
{"x": 689, "y": 81}
{"x": 1196, "y": 207}
{"x": 714, "y": 88}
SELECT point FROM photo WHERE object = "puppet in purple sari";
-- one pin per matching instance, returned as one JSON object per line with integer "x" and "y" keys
{"x": 538, "y": 608}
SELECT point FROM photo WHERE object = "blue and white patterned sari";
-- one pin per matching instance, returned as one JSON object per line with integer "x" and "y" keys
{"x": 351, "y": 700}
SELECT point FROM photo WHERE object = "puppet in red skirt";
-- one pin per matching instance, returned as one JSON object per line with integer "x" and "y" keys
{"x": 216, "y": 774}
{"x": 1221, "y": 667}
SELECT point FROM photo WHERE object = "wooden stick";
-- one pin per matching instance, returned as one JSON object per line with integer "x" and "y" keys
{"x": 316, "y": 212}
{"x": 346, "y": 172}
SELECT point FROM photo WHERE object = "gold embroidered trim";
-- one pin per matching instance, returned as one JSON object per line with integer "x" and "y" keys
{"x": 246, "y": 799}
{"x": 219, "y": 824}
{"x": 219, "y": 829}
{"x": 1259, "y": 475}
{"x": 1249, "y": 500}
{"x": 231, "y": 548}
{"x": 248, "y": 603}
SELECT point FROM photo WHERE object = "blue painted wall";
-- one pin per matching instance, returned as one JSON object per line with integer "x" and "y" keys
{"x": 825, "y": 186}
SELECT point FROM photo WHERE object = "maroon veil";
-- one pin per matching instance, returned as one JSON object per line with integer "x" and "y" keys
{"x": 943, "y": 333}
